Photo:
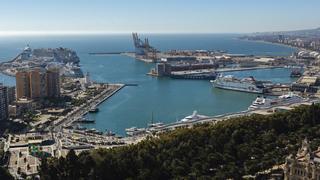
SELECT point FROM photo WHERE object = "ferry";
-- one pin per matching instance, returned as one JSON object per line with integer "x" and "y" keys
{"x": 229, "y": 82}
{"x": 265, "y": 103}
{"x": 194, "y": 117}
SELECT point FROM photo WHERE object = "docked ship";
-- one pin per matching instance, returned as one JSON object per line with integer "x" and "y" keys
{"x": 194, "y": 117}
{"x": 265, "y": 103}
{"x": 229, "y": 82}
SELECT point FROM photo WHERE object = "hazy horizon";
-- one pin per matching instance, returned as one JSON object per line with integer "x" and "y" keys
{"x": 175, "y": 16}
{"x": 93, "y": 33}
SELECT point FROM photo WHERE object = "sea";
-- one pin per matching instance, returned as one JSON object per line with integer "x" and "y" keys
{"x": 159, "y": 99}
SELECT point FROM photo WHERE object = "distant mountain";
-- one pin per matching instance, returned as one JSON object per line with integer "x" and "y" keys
{"x": 304, "y": 33}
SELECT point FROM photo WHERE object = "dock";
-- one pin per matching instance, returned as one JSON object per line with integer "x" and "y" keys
{"x": 79, "y": 112}
{"x": 222, "y": 70}
{"x": 110, "y": 53}
{"x": 223, "y": 117}
{"x": 131, "y": 84}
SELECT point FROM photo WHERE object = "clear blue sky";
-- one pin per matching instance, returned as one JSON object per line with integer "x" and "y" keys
{"x": 196, "y": 16}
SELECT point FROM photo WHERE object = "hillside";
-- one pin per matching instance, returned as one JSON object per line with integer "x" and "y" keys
{"x": 229, "y": 149}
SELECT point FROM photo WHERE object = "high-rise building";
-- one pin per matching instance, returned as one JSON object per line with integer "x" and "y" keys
{"x": 22, "y": 84}
{"x": 11, "y": 94}
{"x": 3, "y": 102}
{"x": 38, "y": 83}
{"x": 53, "y": 83}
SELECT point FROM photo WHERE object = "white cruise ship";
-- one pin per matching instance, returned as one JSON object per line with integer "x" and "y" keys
{"x": 229, "y": 82}
{"x": 287, "y": 99}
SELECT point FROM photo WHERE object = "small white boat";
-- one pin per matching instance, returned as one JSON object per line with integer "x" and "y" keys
{"x": 158, "y": 124}
{"x": 194, "y": 117}
{"x": 134, "y": 131}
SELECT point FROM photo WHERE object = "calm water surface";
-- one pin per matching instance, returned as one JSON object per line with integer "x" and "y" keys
{"x": 169, "y": 100}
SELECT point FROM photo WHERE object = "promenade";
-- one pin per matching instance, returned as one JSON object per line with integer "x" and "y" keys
{"x": 78, "y": 112}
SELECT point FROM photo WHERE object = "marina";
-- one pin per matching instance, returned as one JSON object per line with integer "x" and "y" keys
{"x": 195, "y": 119}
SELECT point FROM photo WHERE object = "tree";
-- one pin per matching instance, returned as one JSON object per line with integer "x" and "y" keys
{"x": 4, "y": 174}
{"x": 227, "y": 149}
{"x": 72, "y": 165}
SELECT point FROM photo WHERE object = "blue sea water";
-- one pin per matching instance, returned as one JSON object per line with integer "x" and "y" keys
{"x": 167, "y": 99}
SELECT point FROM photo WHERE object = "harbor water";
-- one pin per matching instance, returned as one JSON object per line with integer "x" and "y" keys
{"x": 167, "y": 99}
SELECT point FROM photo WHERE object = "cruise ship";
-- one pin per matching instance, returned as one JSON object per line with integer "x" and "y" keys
{"x": 287, "y": 99}
{"x": 229, "y": 82}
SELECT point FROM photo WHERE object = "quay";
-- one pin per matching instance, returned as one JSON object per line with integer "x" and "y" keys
{"x": 131, "y": 84}
{"x": 109, "y": 53}
{"x": 221, "y": 70}
{"x": 215, "y": 119}
{"x": 78, "y": 112}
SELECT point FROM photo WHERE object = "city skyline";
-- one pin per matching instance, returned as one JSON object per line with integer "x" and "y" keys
{"x": 177, "y": 16}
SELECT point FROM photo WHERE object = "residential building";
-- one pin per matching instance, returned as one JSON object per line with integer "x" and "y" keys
{"x": 37, "y": 83}
{"x": 3, "y": 102}
{"x": 22, "y": 84}
{"x": 53, "y": 83}
{"x": 11, "y": 94}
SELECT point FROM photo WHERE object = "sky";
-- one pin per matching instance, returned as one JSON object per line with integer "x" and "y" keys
{"x": 156, "y": 16}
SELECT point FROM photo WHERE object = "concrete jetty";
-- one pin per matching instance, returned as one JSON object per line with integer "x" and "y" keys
{"x": 221, "y": 70}
{"x": 78, "y": 112}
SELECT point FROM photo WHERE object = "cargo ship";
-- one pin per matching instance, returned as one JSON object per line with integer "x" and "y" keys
{"x": 265, "y": 103}
{"x": 229, "y": 82}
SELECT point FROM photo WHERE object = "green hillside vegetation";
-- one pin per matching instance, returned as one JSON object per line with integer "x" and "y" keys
{"x": 229, "y": 149}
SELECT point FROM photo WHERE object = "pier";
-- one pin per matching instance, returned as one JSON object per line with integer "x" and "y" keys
{"x": 217, "y": 118}
{"x": 78, "y": 112}
{"x": 110, "y": 53}
{"x": 222, "y": 70}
